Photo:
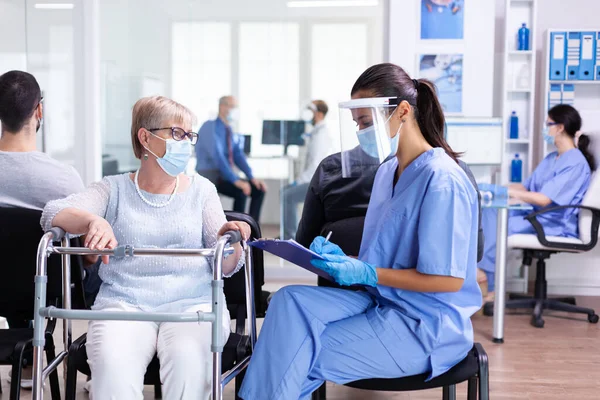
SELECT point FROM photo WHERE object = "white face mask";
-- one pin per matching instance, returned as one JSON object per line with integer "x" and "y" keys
{"x": 234, "y": 115}
{"x": 307, "y": 115}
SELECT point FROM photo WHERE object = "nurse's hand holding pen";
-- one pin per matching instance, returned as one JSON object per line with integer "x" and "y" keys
{"x": 348, "y": 271}
{"x": 344, "y": 270}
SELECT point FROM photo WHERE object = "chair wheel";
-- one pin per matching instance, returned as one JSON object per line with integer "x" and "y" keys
{"x": 593, "y": 319}
{"x": 537, "y": 322}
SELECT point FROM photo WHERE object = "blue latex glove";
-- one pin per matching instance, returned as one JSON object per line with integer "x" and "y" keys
{"x": 347, "y": 271}
{"x": 321, "y": 247}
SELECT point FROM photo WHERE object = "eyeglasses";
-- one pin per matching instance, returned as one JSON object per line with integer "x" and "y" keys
{"x": 549, "y": 124}
{"x": 179, "y": 134}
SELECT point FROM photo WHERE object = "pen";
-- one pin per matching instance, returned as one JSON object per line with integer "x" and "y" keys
{"x": 328, "y": 236}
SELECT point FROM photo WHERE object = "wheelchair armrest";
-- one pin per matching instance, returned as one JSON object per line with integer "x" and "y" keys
{"x": 77, "y": 344}
{"x": 541, "y": 235}
{"x": 240, "y": 320}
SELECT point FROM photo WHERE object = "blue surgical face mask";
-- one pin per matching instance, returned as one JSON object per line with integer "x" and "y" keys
{"x": 367, "y": 138}
{"x": 547, "y": 138}
{"x": 176, "y": 157}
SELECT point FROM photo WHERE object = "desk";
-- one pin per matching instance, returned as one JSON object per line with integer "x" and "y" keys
{"x": 503, "y": 204}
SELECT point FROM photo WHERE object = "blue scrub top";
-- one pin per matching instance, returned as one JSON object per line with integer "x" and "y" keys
{"x": 565, "y": 180}
{"x": 427, "y": 221}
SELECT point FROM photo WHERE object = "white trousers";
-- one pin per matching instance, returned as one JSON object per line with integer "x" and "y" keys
{"x": 120, "y": 351}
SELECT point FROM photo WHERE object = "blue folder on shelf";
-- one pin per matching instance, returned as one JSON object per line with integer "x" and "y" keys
{"x": 557, "y": 56}
{"x": 555, "y": 95}
{"x": 292, "y": 251}
{"x": 573, "y": 55}
{"x": 587, "y": 59}
{"x": 598, "y": 56}
{"x": 568, "y": 94}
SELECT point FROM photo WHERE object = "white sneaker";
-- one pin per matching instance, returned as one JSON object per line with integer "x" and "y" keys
{"x": 26, "y": 383}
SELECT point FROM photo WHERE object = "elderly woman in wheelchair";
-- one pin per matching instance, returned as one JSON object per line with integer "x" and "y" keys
{"x": 157, "y": 205}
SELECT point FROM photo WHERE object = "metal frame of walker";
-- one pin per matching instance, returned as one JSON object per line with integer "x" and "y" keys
{"x": 215, "y": 317}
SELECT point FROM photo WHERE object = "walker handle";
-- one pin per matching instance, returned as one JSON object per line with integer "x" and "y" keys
{"x": 57, "y": 233}
{"x": 234, "y": 236}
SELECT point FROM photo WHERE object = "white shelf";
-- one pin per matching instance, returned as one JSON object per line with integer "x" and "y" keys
{"x": 575, "y": 82}
{"x": 517, "y": 97}
{"x": 517, "y": 141}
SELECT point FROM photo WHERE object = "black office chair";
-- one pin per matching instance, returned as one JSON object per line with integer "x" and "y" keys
{"x": 541, "y": 247}
{"x": 20, "y": 233}
{"x": 237, "y": 348}
{"x": 473, "y": 368}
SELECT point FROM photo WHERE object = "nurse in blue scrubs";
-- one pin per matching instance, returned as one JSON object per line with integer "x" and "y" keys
{"x": 417, "y": 260}
{"x": 561, "y": 179}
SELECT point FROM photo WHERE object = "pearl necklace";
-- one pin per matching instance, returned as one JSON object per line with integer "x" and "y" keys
{"x": 151, "y": 204}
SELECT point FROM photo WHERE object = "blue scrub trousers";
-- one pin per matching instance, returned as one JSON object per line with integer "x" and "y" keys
{"x": 316, "y": 334}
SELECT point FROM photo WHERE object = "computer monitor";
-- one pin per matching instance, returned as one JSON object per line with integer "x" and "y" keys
{"x": 290, "y": 131}
{"x": 247, "y": 144}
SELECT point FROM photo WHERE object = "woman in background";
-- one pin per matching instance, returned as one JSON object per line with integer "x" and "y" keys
{"x": 561, "y": 179}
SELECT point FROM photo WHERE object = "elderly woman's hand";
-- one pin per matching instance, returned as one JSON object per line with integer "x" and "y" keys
{"x": 100, "y": 236}
{"x": 242, "y": 227}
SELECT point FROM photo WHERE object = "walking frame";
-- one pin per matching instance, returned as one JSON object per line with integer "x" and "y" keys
{"x": 215, "y": 317}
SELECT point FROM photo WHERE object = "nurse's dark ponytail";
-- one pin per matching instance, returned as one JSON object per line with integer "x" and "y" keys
{"x": 570, "y": 119}
{"x": 389, "y": 80}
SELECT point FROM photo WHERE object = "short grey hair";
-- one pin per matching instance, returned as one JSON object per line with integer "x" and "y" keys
{"x": 224, "y": 100}
{"x": 153, "y": 112}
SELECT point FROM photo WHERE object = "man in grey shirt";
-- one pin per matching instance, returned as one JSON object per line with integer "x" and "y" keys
{"x": 29, "y": 178}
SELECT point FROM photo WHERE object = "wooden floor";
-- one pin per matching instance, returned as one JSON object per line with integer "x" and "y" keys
{"x": 558, "y": 362}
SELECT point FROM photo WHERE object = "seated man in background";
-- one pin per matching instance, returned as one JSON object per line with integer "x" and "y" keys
{"x": 318, "y": 147}
{"x": 217, "y": 157}
{"x": 31, "y": 178}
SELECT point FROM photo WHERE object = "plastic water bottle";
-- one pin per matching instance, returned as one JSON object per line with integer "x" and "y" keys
{"x": 516, "y": 169}
{"x": 523, "y": 42}
{"x": 514, "y": 126}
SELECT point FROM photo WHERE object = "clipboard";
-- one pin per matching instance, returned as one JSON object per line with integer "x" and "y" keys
{"x": 292, "y": 251}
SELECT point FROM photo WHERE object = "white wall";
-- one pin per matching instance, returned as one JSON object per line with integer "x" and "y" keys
{"x": 478, "y": 65}
{"x": 12, "y": 25}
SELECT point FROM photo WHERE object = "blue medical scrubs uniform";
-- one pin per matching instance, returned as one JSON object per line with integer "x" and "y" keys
{"x": 564, "y": 180}
{"x": 427, "y": 221}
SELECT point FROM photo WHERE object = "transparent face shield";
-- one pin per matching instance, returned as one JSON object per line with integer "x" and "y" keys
{"x": 365, "y": 134}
